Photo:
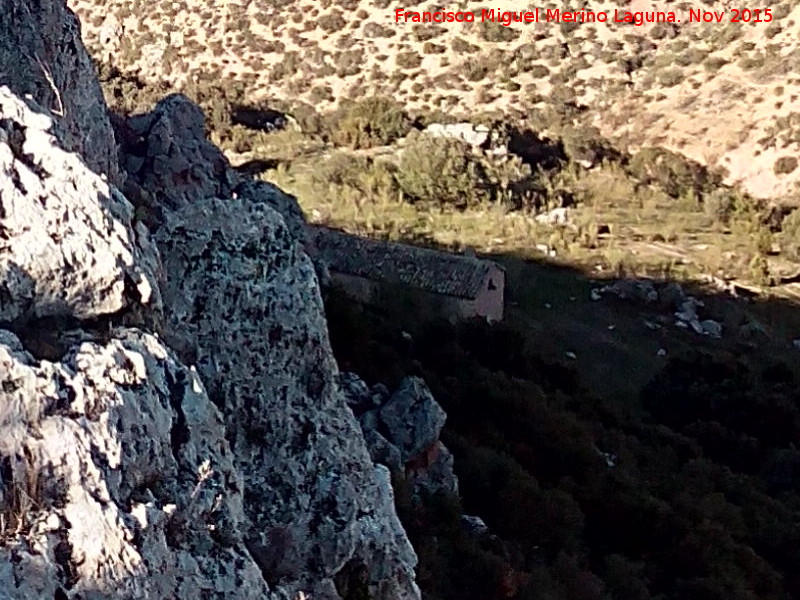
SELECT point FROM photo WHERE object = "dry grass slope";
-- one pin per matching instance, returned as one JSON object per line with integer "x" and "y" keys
{"x": 722, "y": 93}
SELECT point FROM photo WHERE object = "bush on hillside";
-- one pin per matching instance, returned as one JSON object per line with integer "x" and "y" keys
{"x": 790, "y": 235}
{"x": 720, "y": 205}
{"x": 442, "y": 170}
{"x": 785, "y": 165}
{"x": 673, "y": 173}
{"x": 370, "y": 122}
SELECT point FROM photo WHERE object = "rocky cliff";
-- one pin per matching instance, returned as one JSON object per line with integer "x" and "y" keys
{"x": 173, "y": 424}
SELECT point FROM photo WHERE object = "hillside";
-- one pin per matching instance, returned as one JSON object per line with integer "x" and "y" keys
{"x": 721, "y": 93}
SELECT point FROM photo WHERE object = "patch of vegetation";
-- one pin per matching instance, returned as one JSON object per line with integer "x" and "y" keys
{"x": 441, "y": 170}
{"x": 461, "y": 45}
{"x": 699, "y": 500}
{"x": 332, "y": 22}
{"x": 673, "y": 173}
{"x": 790, "y": 235}
{"x": 785, "y": 165}
{"x": 408, "y": 59}
{"x": 370, "y": 122}
{"x": 491, "y": 31}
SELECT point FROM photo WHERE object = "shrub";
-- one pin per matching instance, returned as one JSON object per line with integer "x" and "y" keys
{"x": 670, "y": 77}
{"x": 539, "y": 71}
{"x": 586, "y": 144}
{"x": 408, "y": 59}
{"x": 431, "y": 48}
{"x": 720, "y": 205}
{"x": 332, "y": 22}
{"x": 376, "y": 30}
{"x": 785, "y": 165}
{"x": 461, "y": 45}
{"x": 372, "y": 180}
{"x": 369, "y": 122}
{"x": 790, "y": 235}
{"x": 675, "y": 174}
{"x": 491, "y": 31}
{"x": 423, "y": 33}
{"x": 712, "y": 64}
{"x": 441, "y": 170}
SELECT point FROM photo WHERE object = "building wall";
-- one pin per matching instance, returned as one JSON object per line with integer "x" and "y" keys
{"x": 361, "y": 289}
{"x": 489, "y": 303}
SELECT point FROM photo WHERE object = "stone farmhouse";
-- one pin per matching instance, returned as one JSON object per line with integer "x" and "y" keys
{"x": 373, "y": 272}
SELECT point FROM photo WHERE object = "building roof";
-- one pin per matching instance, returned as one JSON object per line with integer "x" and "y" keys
{"x": 423, "y": 268}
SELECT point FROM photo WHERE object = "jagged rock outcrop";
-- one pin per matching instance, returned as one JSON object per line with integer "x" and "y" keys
{"x": 118, "y": 477}
{"x": 244, "y": 305}
{"x": 68, "y": 244}
{"x": 402, "y": 431}
{"x": 166, "y": 152}
{"x": 243, "y": 475}
{"x": 242, "y": 292}
{"x": 41, "y": 55}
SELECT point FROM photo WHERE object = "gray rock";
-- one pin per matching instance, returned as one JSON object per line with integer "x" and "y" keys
{"x": 285, "y": 204}
{"x": 241, "y": 288}
{"x": 178, "y": 164}
{"x": 41, "y": 55}
{"x": 370, "y": 420}
{"x": 356, "y": 393}
{"x": 711, "y": 328}
{"x": 413, "y": 419}
{"x": 244, "y": 476}
{"x": 382, "y": 451}
{"x": 473, "y": 524}
{"x": 137, "y": 481}
{"x": 671, "y": 295}
{"x": 641, "y": 290}
{"x": 380, "y": 393}
{"x": 69, "y": 246}
{"x": 434, "y": 472}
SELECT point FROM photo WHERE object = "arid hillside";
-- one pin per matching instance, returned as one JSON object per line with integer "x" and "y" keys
{"x": 720, "y": 92}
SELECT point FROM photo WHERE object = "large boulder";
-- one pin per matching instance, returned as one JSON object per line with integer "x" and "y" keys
{"x": 41, "y": 56}
{"x": 402, "y": 432}
{"x": 165, "y": 153}
{"x": 117, "y": 480}
{"x": 243, "y": 293}
{"x": 69, "y": 247}
{"x": 125, "y": 472}
{"x": 412, "y": 418}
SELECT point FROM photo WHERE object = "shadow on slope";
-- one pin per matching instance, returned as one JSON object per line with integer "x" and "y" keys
{"x": 624, "y": 472}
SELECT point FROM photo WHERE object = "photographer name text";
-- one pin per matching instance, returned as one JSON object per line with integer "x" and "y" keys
{"x": 555, "y": 15}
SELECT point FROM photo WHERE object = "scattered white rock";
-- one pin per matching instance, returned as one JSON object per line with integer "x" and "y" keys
{"x": 556, "y": 216}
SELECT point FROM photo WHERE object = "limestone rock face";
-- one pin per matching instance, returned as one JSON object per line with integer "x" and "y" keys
{"x": 402, "y": 431}
{"x": 124, "y": 471}
{"x": 41, "y": 54}
{"x": 137, "y": 495}
{"x": 241, "y": 289}
{"x": 68, "y": 244}
{"x": 413, "y": 418}
{"x": 166, "y": 153}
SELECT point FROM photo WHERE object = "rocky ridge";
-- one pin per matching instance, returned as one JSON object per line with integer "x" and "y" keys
{"x": 173, "y": 420}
